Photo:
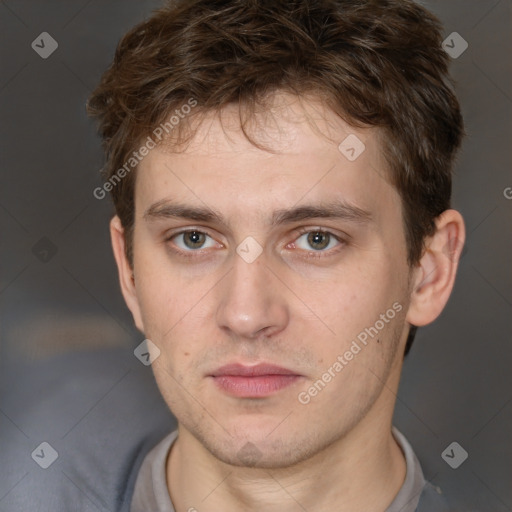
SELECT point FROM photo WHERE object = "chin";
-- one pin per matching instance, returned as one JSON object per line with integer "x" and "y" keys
{"x": 263, "y": 455}
{"x": 262, "y": 446}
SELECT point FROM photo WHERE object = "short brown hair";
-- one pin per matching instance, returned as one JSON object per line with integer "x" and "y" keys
{"x": 374, "y": 62}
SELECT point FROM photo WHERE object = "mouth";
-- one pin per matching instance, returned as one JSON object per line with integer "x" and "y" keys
{"x": 253, "y": 381}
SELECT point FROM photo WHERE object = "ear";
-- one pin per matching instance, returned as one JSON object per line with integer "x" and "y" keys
{"x": 126, "y": 277}
{"x": 434, "y": 277}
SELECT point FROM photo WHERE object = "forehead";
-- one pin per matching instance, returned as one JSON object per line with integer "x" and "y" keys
{"x": 303, "y": 152}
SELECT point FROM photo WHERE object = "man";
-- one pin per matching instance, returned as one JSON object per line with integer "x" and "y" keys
{"x": 281, "y": 172}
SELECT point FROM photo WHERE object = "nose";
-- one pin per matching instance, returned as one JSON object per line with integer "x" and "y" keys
{"x": 252, "y": 301}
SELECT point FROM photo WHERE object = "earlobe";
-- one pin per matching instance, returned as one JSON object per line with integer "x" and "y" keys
{"x": 125, "y": 271}
{"x": 434, "y": 277}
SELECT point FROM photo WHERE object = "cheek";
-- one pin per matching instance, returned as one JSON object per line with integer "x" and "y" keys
{"x": 159, "y": 287}
{"x": 363, "y": 360}
{"x": 366, "y": 310}
{"x": 157, "y": 305}
{"x": 355, "y": 299}
{"x": 176, "y": 315}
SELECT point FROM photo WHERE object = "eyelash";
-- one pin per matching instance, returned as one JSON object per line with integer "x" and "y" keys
{"x": 310, "y": 254}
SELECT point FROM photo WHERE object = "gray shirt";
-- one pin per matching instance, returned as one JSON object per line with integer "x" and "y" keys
{"x": 151, "y": 493}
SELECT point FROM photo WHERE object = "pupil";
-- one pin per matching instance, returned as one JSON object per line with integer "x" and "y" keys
{"x": 194, "y": 239}
{"x": 316, "y": 237}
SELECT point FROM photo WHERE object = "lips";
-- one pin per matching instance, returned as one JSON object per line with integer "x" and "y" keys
{"x": 253, "y": 381}
{"x": 239, "y": 370}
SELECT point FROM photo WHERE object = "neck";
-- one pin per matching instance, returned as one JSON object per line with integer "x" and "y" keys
{"x": 342, "y": 478}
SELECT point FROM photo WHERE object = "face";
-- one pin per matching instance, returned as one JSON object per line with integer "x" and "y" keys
{"x": 294, "y": 257}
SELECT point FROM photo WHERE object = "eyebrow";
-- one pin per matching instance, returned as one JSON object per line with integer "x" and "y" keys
{"x": 340, "y": 210}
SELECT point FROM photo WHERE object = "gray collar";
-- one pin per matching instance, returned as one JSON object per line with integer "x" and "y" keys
{"x": 409, "y": 494}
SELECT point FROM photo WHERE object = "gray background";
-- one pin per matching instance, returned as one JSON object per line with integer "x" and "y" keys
{"x": 68, "y": 375}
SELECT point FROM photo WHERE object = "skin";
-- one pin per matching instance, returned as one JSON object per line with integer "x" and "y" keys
{"x": 297, "y": 305}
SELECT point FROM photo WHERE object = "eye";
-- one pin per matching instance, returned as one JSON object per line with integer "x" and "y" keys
{"x": 191, "y": 240}
{"x": 317, "y": 240}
